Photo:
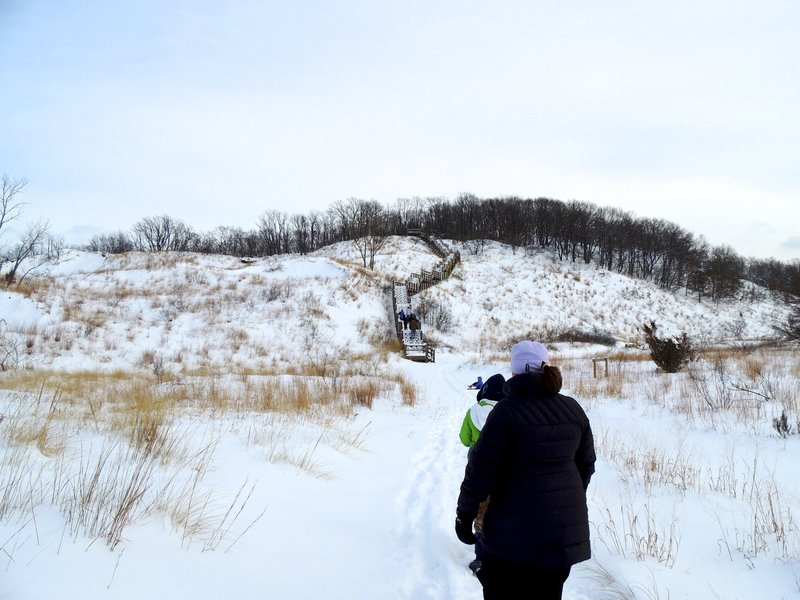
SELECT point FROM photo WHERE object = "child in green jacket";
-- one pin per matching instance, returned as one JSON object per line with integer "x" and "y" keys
{"x": 489, "y": 394}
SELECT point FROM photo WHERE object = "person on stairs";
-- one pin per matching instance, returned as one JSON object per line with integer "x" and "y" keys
{"x": 414, "y": 326}
{"x": 488, "y": 395}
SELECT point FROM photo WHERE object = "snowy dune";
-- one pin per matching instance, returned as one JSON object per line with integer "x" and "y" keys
{"x": 695, "y": 494}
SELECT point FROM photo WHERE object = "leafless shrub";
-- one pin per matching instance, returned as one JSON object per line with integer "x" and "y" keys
{"x": 29, "y": 253}
{"x": 280, "y": 289}
{"x": 711, "y": 388}
{"x": 742, "y": 384}
{"x": 11, "y": 349}
{"x": 435, "y": 313}
{"x": 736, "y": 328}
{"x": 475, "y": 247}
{"x": 154, "y": 362}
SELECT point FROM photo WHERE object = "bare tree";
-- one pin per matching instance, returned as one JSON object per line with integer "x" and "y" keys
{"x": 301, "y": 233}
{"x": 10, "y": 209}
{"x": 10, "y": 206}
{"x": 315, "y": 224}
{"x": 157, "y": 234}
{"x": 273, "y": 232}
{"x": 113, "y": 243}
{"x": 408, "y": 213}
{"x": 790, "y": 329}
{"x": 368, "y": 229}
{"x": 475, "y": 246}
{"x": 229, "y": 240}
{"x": 344, "y": 214}
{"x": 30, "y": 248}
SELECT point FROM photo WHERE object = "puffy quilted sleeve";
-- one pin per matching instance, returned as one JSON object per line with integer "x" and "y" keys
{"x": 485, "y": 459}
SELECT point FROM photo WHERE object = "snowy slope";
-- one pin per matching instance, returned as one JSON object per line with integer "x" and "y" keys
{"x": 689, "y": 500}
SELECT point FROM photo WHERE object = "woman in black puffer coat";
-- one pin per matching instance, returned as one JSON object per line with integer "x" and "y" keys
{"x": 535, "y": 456}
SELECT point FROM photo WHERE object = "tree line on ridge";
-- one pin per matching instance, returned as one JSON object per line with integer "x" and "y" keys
{"x": 646, "y": 248}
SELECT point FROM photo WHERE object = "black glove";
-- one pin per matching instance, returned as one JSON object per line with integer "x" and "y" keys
{"x": 464, "y": 528}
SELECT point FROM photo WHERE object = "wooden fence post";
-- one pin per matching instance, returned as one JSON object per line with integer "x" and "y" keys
{"x": 604, "y": 360}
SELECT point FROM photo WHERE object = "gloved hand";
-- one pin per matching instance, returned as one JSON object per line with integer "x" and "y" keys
{"x": 464, "y": 528}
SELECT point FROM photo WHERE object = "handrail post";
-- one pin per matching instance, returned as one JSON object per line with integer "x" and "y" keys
{"x": 602, "y": 359}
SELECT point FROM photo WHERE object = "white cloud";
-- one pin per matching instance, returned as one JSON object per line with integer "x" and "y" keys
{"x": 215, "y": 114}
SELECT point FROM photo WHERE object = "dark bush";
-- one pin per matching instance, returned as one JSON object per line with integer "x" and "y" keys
{"x": 595, "y": 336}
{"x": 782, "y": 426}
{"x": 670, "y": 354}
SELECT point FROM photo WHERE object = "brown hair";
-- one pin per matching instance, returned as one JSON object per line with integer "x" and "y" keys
{"x": 552, "y": 379}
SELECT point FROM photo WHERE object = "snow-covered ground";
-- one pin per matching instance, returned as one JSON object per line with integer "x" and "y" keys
{"x": 695, "y": 495}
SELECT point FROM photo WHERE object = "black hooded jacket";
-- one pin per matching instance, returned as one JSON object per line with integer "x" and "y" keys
{"x": 535, "y": 457}
{"x": 492, "y": 388}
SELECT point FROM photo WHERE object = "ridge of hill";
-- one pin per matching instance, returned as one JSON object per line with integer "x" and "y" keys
{"x": 199, "y": 311}
{"x": 502, "y": 293}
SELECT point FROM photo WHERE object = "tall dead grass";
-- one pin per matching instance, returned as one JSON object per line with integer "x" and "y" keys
{"x": 732, "y": 393}
{"x": 139, "y": 466}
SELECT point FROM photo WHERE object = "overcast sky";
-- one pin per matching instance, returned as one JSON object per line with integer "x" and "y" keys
{"x": 214, "y": 112}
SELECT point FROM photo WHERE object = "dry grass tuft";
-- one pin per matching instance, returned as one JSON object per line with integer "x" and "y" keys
{"x": 409, "y": 392}
{"x": 601, "y": 387}
{"x": 363, "y": 393}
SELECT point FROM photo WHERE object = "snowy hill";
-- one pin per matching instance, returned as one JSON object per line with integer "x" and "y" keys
{"x": 199, "y": 311}
{"x": 500, "y": 294}
{"x": 200, "y": 427}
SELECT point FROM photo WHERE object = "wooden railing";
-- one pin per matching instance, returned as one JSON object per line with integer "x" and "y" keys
{"x": 417, "y": 348}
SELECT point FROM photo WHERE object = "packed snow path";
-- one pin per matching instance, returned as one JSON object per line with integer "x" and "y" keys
{"x": 432, "y": 563}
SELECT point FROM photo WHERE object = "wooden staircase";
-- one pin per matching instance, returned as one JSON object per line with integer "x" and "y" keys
{"x": 415, "y": 346}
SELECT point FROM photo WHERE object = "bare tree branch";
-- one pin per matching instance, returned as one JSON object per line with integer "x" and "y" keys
{"x": 10, "y": 207}
{"x": 30, "y": 246}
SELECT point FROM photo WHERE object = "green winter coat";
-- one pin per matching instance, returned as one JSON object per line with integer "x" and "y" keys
{"x": 474, "y": 420}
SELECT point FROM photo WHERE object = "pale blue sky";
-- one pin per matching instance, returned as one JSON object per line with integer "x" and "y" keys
{"x": 215, "y": 112}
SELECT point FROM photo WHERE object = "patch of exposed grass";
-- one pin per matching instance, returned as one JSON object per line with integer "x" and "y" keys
{"x": 363, "y": 393}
